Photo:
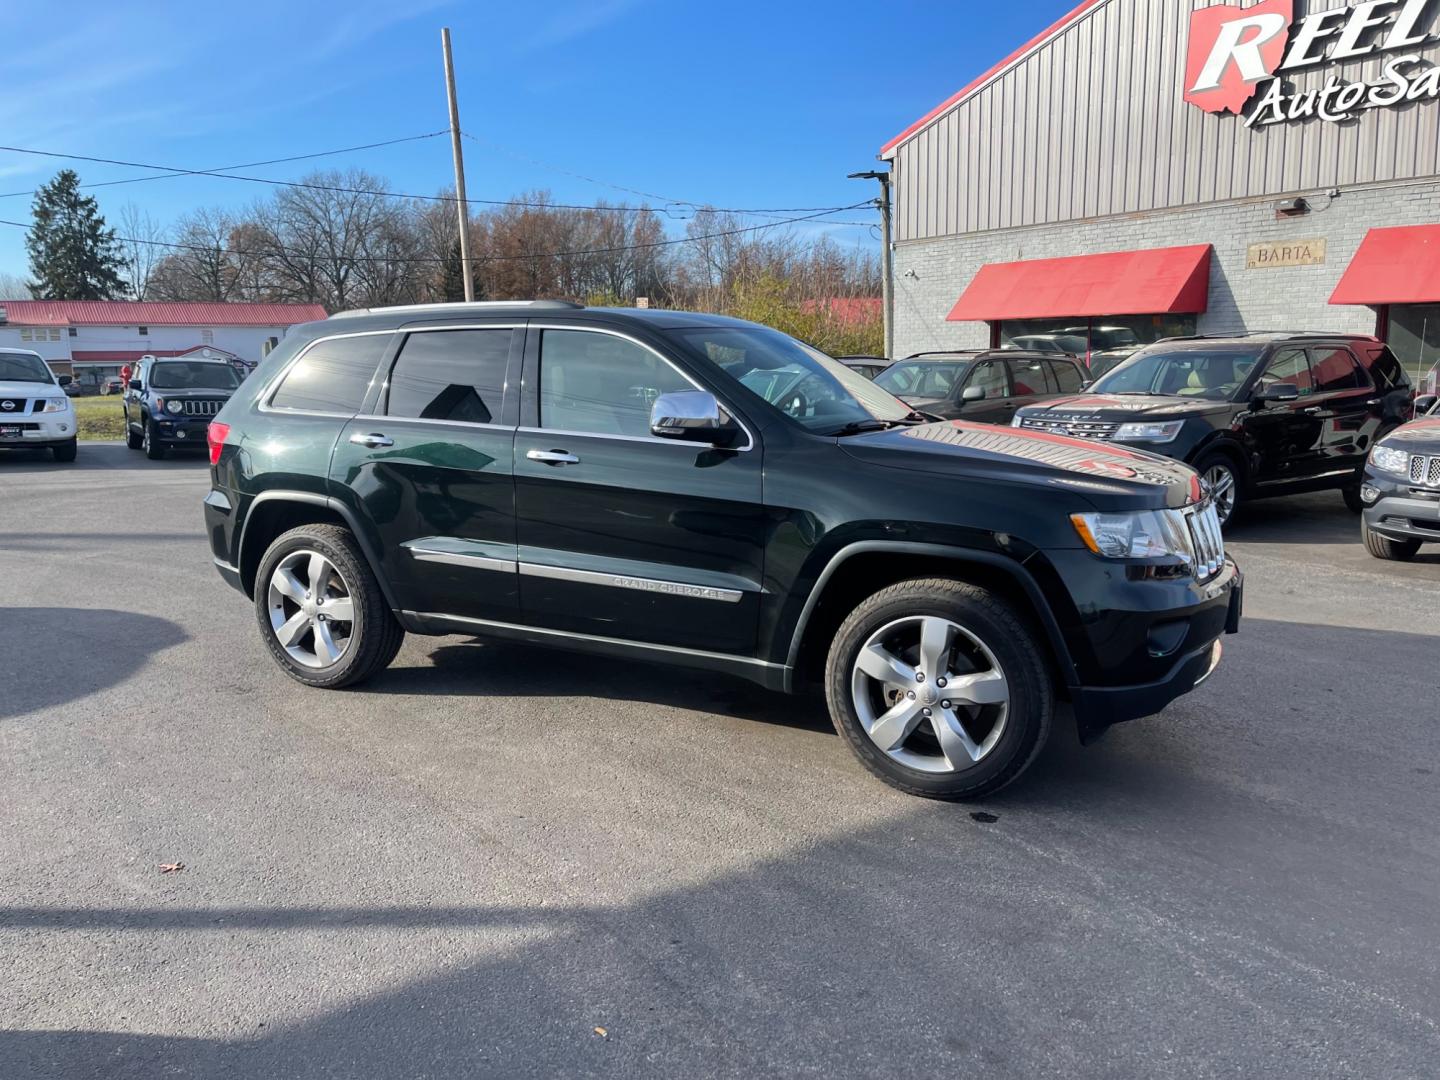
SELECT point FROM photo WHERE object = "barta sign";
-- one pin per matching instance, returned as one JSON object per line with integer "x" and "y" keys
{"x": 1236, "y": 53}
{"x": 1276, "y": 254}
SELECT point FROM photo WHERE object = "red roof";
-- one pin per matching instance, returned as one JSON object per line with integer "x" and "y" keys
{"x": 1399, "y": 265}
{"x": 970, "y": 88}
{"x": 133, "y": 313}
{"x": 1153, "y": 282}
{"x": 847, "y": 309}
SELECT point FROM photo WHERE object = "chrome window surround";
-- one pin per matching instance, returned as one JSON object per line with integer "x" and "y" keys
{"x": 586, "y": 329}
{"x": 262, "y": 402}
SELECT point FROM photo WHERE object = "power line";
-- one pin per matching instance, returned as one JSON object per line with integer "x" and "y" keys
{"x": 276, "y": 250}
{"x": 243, "y": 165}
{"x": 344, "y": 190}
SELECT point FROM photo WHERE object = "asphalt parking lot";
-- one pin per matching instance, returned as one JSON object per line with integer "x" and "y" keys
{"x": 496, "y": 860}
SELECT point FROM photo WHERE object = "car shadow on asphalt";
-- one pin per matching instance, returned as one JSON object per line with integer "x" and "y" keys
{"x": 53, "y": 656}
{"x": 100, "y": 456}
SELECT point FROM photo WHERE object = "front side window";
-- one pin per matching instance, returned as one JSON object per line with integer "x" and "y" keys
{"x": 1334, "y": 370}
{"x": 332, "y": 376}
{"x": 192, "y": 375}
{"x": 601, "y": 384}
{"x": 23, "y": 367}
{"x": 804, "y": 384}
{"x": 1216, "y": 374}
{"x": 989, "y": 375}
{"x": 1287, "y": 366}
{"x": 451, "y": 375}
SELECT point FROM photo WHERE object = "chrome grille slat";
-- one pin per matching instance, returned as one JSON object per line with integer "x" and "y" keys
{"x": 201, "y": 408}
{"x": 1207, "y": 539}
{"x": 1085, "y": 429}
{"x": 1433, "y": 476}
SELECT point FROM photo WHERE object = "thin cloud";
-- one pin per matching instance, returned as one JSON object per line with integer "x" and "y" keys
{"x": 577, "y": 21}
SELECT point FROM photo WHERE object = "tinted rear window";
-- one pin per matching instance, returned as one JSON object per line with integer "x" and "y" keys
{"x": 451, "y": 375}
{"x": 332, "y": 376}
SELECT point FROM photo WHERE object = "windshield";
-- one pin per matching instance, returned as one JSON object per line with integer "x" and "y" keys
{"x": 24, "y": 367}
{"x": 1215, "y": 375}
{"x": 803, "y": 383}
{"x": 193, "y": 375}
{"x": 917, "y": 379}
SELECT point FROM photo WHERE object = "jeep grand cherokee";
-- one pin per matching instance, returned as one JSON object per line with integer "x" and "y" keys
{"x": 691, "y": 489}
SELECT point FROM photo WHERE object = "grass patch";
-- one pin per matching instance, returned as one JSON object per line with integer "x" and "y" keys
{"x": 99, "y": 417}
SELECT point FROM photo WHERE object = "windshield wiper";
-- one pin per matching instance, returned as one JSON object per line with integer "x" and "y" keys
{"x": 860, "y": 427}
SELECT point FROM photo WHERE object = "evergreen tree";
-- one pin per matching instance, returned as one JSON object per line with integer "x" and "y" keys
{"x": 72, "y": 254}
{"x": 452, "y": 284}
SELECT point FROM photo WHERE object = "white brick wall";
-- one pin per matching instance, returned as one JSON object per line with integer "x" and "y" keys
{"x": 931, "y": 275}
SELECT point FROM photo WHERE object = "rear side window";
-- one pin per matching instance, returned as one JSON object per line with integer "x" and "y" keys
{"x": 1335, "y": 369}
{"x": 332, "y": 376}
{"x": 1028, "y": 377}
{"x": 451, "y": 375}
{"x": 1387, "y": 371}
{"x": 1067, "y": 377}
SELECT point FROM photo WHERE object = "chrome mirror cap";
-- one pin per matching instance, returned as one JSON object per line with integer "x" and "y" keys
{"x": 694, "y": 415}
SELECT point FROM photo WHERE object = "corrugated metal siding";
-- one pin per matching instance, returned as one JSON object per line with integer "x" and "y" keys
{"x": 1093, "y": 123}
{"x": 152, "y": 313}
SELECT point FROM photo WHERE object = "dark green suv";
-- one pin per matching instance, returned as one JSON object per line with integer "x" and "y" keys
{"x": 691, "y": 489}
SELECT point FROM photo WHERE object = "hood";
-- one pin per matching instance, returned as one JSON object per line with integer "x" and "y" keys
{"x": 1111, "y": 477}
{"x": 30, "y": 390}
{"x": 1417, "y": 437}
{"x": 192, "y": 392}
{"x": 1123, "y": 407}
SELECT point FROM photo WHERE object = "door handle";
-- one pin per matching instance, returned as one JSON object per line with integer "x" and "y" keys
{"x": 553, "y": 457}
{"x": 1313, "y": 410}
{"x": 371, "y": 441}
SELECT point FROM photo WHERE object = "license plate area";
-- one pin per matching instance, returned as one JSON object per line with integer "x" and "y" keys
{"x": 11, "y": 431}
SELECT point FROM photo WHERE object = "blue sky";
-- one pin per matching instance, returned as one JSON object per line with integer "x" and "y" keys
{"x": 746, "y": 104}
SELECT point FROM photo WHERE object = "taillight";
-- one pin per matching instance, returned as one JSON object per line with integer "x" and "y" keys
{"x": 215, "y": 436}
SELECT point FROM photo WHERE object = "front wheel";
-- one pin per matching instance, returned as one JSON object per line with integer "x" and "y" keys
{"x": 1382, "y": 547}
{"x": 940, "y": 689}
{"x": 1220, "y": 480}
{"x": 321, "y": 611}
{"x": 150, "y": 442}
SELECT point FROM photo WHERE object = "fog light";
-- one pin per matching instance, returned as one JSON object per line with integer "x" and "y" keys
{"x": 1369, "y": 494}
{"x": 180, "y": 433}
{"x": 64, "y": 428}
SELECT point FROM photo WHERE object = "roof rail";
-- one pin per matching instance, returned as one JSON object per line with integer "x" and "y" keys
{"x": 462, "y": 306}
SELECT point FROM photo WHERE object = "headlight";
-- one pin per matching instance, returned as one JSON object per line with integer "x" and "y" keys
{"x": 174, "y": 408}
{"x": 1147, "y": 534}
{"x": 56, "y": 404}
{"x": 1158, "y": 433}
{"x": 1390, "y": 459}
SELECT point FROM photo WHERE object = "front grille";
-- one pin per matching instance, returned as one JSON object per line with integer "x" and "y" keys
{"x": 18, "y": 406}
{"x": 1084, "y": 429}
{"x": 1206, "y": 538}
{"x": 1424, "y": 470}
{"x": 201, "y": 408}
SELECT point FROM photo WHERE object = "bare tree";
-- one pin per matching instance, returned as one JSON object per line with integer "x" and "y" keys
{"x": 13, "y": 287}
{"x": 141, "y": 242}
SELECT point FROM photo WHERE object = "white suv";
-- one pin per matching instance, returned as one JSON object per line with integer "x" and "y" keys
{"x": 34, "y": 410}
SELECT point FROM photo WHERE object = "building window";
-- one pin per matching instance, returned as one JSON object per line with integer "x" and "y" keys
{"x": 54, "y": 333}
{"x": 1415, "y": 338}
{"x": 25, "y": 333}
{"x": 144, "y": 331}
{"x": 1113, "y": 336}
{"x": 74, "y": 332}
{"x": 207, "y": 337}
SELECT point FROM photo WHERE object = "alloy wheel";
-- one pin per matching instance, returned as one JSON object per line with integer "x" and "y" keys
{"x": 312, "y": 611}
{"x": 1219, "y": 483}
{"x": 930, "y": 694}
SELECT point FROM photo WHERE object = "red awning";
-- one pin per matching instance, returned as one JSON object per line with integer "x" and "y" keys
{"x": 1393, "y": 266}
{"x": 1155, "y": 282}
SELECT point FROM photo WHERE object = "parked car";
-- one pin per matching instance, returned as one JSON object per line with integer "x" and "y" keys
{"x": 1068, "y": 343}
{"x": 169, "y": 402}
{"x": 35, "y": 412}
{"x": 1401, "y": 493}
{"x": 986, "y": 386}
{"x": 620, "y": 482}
{"x": 1256, "y": 415}
{"x": 113, "y": 385}
{"x": 71, "y": 387}
{"x": 869, "y": 366}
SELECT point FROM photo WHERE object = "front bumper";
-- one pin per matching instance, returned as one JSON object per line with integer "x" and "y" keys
{"x": 1401, "y": 510}
{"x": 181, "y": 430}
{"x": 36, "y": 429}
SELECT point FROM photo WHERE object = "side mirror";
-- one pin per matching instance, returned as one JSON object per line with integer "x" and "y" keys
{"x": 1424, "y": 403}
{"x": 691, "y": 416}
{"x": 973, "y": 393}
{"x": 64, "y": 380}
{"x": 1085, "y": 384}
{"x": 1280, "y": 391}
{"x": 134, "y": 384}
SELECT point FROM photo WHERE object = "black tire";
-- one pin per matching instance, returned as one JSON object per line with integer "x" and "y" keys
{"x": 65, "y": 451}
{"x": 1016, "y": 651}
{"x": 375, "y": 635}
{"x": 1353, "y": 502}
{"x": 133, "y": 439}
{"x": 1218, "y": 460}
{"x": 153, "y": 447}
{"x": 1382, "y": 547}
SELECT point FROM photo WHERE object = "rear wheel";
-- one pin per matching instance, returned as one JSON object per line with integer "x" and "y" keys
{"x": 321, "y": 611}
{"x": 1220, "y": 479}
{"x": 65, "y": 451}
{"x": 940, "y": 689}
{"x": 1382, "y": 547}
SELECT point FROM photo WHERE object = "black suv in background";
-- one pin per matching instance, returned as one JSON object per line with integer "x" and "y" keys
{"x": 170, "y": 402}
{"x": 1401, "y": 493}
{"x": 986, "y": 386}
{"x": 697, "y": 490}
{"x": 1255, "y": 415}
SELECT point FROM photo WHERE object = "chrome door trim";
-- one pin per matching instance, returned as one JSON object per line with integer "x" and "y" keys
{"x": 584, "y": 328}
{"x": 570, "y": 635}
{"x": 564, "y": 433}
{"x": 626, "y": 581}
{"x": 420, "y": 552}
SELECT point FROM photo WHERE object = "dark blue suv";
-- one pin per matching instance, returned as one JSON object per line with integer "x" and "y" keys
{"x": 170, "y": 401}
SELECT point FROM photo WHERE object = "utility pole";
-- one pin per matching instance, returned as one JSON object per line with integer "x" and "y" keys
{"x": 461, "y": 204}
{"x": 887, "y": 265}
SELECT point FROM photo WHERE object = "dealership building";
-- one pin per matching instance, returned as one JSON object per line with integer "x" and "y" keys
{"x": 1151, "y": 168}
